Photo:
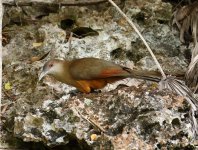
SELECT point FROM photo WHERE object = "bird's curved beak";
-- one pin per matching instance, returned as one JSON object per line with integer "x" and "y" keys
{"x": 42, "y": 75}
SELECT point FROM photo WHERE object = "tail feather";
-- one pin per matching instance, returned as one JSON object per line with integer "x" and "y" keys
{"x": 154, "y": 76}
{"x": 149, "y": 78}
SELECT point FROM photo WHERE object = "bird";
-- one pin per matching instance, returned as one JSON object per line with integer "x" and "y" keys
{"x": 89, "y": 74}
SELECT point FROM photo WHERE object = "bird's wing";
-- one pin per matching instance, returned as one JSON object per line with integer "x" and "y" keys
{"x": 93, "y": 68}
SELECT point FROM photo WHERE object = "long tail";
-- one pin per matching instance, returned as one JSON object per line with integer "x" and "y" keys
{"x": 146, "y": 75}
{"x": 149, "y": 78}
{"x": 154, "y": 76}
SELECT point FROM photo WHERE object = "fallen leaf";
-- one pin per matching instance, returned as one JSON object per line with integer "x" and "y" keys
{"x": 81, "y": 32}
{"x": 178, "y": 101}
{"x": 37, "y": 58}
{"x": 37, "y": 44}
{"x": 8, "y": 86}
{"x": 94, "y": 137}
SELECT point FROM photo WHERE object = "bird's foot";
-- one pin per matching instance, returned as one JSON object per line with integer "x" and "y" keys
{"x": 95, "y": 91}
{"x": 74, "y": 93}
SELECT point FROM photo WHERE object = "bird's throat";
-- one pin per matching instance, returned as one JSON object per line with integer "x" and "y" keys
{"x": 62, "y": 74}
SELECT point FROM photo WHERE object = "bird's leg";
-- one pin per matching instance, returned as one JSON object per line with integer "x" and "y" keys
{"x": 74, "y": 92}
{"x": 95, "y": 91}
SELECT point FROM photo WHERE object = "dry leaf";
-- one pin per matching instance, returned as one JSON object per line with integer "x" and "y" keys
{"x": 81, "y": 32}
{"x": 178, "y": 101}
{"x": 94, "y": 137}
{"x": 33, "y": 59}
{"x": 8, "y": 86}
{"x": 192, "y": 72}
{"x": 37, "y": 58}
{"x": 186, "y": 19}
{"x": 37, "y": 44}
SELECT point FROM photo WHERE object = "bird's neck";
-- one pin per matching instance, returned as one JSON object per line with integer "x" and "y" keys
{"x": 62, "y": 72}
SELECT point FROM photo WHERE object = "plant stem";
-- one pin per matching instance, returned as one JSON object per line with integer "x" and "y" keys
{"x": 144, "y": 41}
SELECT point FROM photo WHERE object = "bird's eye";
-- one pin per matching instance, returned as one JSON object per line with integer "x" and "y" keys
{"x": 51, "y": 65}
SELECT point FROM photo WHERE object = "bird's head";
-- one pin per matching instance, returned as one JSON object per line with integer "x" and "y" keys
{"x": 52, "y": 67}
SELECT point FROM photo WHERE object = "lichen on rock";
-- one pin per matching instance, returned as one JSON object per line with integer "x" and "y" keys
{"x": 130, "y": 114}
{"x": 127, "y": 114}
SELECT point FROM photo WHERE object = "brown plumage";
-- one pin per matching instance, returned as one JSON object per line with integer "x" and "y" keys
{"x": 88, "y": 74}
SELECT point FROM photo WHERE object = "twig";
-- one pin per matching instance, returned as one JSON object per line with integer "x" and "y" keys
{"x": 4, "y": 108}
{"x": 8, "y": 103}
{"x": 144, "y": 41}
{"x": 70, "y": 40}
{"x": 8, "y": 95}
{"x": 196, "y": 88}
{"x": 169, "y": 82}
{"x": 90, "y": 121}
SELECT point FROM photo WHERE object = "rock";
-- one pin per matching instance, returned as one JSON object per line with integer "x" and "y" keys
{"x": 129, "y": 117}
{"x": 45, "y": 114}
